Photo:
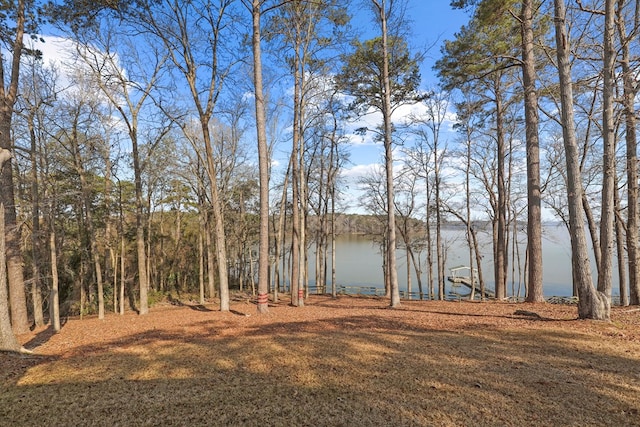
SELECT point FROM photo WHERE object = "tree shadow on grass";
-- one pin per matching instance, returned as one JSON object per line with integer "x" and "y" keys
{"x": 511, "y": 311}
{"x": 178, "y": 302}
{"x": 369, "y": 369}
{"x": 40, "y": 338}
{"x": 44, "y": 335}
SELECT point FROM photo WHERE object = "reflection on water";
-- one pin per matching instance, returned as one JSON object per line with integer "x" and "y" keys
{"x": 359, "y": 262}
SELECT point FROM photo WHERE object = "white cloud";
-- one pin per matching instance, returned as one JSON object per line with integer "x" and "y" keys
{"x": 57, "y": 51}
{"x": 73, "y": 74}
{"x": 353, "y": 174}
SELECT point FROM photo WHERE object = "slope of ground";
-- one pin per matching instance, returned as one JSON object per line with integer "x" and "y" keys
{"x": 344, "y": 362}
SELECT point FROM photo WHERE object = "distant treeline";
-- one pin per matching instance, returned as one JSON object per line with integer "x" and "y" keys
{"x": 374, "y": 224}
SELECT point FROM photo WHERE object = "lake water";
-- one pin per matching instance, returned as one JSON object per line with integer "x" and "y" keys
{"x": 359, "y": 262}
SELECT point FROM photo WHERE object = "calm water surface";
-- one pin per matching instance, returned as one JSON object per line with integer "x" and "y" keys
{"x": 359, "y": 262}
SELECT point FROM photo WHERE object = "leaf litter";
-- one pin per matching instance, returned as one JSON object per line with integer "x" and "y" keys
{"x": 350, "y": 361}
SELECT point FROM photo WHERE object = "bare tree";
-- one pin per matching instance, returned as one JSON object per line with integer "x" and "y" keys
{"x": 194, "y": 36}
{"x": 128, "y": 92}
{"x": 325, "y": 159}
{"x": 466, "y": 110}
{"x": 373, "y": 186}
{"x": 76, "y": 135}
{"x": 406, "y": 208}
{"x": 431, "y": 158}
{"x": 37, "y": 95}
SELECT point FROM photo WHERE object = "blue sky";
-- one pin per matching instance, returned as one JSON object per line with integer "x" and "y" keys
{"x": 433, "y": 22}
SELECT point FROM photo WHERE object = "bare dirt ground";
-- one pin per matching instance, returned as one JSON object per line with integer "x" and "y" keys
{"x": 345, "y": 362}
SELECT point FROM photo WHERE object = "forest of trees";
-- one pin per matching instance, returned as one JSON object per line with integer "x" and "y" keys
{"x": 143, "y": 163}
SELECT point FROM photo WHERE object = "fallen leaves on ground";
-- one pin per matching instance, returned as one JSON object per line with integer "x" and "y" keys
{"x": 348, "y": 361}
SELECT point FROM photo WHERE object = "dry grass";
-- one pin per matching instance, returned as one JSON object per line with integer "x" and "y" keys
{"x": 345, "y": 362}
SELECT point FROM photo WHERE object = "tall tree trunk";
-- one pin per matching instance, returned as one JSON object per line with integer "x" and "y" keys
{"x": 304, "y": 264}
{"x": 535, "y": 292}
{"x": 620, "y": 249}
{"x": 388, "y": 157}
{"x": 281, "y": 237}
{"x": 8, "y": 339}
{"x": 36, "y": 238}
{"x": 113, "y": 256}
{"x": 629, "y": 112}
{"x": 122, "y": 272}
{"x": 467, "y": 189}
{"x": 501, "y": 264}
{"x": 605, "y": 272}
{"x": 88, "y": 221}
{"x": 211, "y": 268}
{"x": 201, "y": 261}
{"x": 263, "y": 163}
{"x": 141, "y": 251}
{"x": 54, "y": 304}
{"x": 591, "y": 303}
{"x": 295, "y": 202}
{"x": 218, "y": 218}
{"x": 14, "y": 260}
{"x": 407, "y": 256}
{"x": 334, "y": 291}
{"x": 427, "y": 228}
{"x": 111, "y": 261}
{"x": 440, "y": 256}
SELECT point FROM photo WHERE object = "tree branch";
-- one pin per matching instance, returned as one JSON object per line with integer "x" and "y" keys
{"x": 586, "y": 9}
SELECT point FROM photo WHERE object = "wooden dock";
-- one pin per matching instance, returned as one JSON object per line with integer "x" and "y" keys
{"x": 459, "y": 279}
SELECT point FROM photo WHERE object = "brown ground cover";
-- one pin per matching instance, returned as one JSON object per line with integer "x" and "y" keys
{"x": 345, "y": 362}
